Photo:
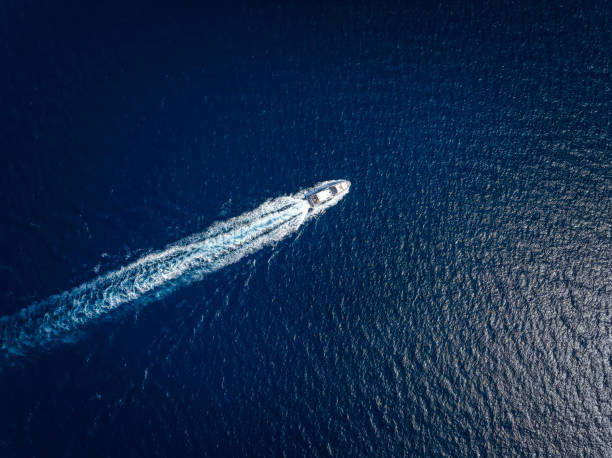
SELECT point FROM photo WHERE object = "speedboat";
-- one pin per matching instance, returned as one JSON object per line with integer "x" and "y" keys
{"x": 333, "y": 190}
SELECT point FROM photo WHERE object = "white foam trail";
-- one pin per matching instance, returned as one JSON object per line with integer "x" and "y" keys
{"x": 60, "y": 317}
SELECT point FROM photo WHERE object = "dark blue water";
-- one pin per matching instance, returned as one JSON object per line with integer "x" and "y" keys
{"x": 457, "y": 302}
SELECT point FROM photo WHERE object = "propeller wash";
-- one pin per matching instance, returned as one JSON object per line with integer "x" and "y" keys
{"x": 60, "y": 317}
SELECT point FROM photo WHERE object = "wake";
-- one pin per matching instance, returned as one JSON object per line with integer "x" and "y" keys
{"x": 62, "y": 317}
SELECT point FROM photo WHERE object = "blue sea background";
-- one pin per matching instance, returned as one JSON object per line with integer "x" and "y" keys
{"x": 457, "y": 302}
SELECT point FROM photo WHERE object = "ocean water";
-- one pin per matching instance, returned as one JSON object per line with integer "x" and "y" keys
{"x": 457, "y": 302}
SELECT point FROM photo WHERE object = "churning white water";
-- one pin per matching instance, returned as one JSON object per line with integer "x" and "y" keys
{"x": 60, "y": 317}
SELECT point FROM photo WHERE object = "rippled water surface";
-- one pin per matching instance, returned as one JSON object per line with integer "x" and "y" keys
{"x": 457, "y": 302}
